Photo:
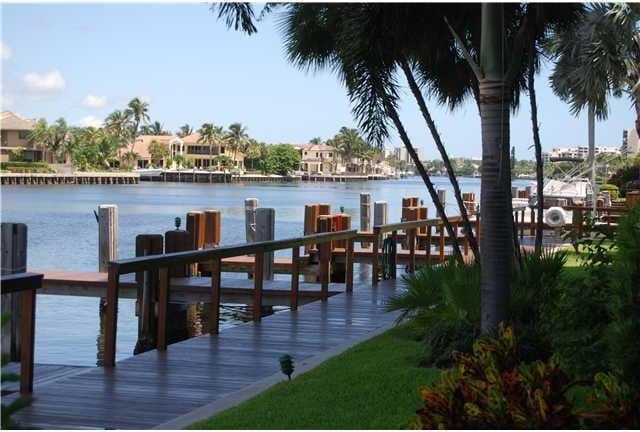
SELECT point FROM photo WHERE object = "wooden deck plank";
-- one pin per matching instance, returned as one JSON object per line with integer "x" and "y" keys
{"x": 154, "y": 387}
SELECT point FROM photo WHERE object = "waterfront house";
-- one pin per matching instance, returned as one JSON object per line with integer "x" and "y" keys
{"x": 14, "y": 131}
{"x": 204, "y": 156}
{"x": 187, "y": 147}
{"x": 318, "y": 158}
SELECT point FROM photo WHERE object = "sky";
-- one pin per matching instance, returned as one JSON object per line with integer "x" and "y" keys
{"x": 82, "y": 61}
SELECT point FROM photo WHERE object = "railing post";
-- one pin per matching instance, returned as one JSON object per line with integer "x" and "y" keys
{"x": 394, "y": 254}
{"x": 27, "y": 332}
{"x": 428, "y": 249}
{"x": 163, "y": 304}
{"x": 258, "y": 276}
{"x": 295, "y": 277}
{"x": 521, "y": 224}
{"x": 441, "y": 226}
{"x": 111, "y": 313}
{"x": 532, "y": 222}
{"x": 478, "y": 229}
{"x": 374, "y": 256}
{"x": 214, "y": 311}
{"x": 411, "y": 234}
{"x": 348, "y": 277}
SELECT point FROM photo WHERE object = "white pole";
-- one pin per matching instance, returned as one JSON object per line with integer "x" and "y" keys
{"x": 592, "y": 157}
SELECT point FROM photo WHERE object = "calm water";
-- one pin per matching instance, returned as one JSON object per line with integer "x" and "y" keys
{"x": 62, "y": 234}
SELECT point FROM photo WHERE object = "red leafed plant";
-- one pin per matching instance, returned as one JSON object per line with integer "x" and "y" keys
{"x": 490, "y": 388}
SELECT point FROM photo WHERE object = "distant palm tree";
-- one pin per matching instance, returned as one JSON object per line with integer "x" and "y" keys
{"x": 137, "y": 113}
{"x": 315, "y": 140}
{"x": 154, "y": 128}
{"x": 118, "y": 124}
{"x": 185, "y": 130}
{"x": 350, "y": 144}
{"x": 237, "y": 138}
{"x": 212, "y": 136}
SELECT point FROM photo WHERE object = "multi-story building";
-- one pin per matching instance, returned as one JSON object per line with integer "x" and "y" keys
{"x": 188, "y": 147}
{"x": 401, "y": 153}
{"x": 631, "y": 142}
{"x": 318, "y": 158}
{"x": 14, "y": 131}
{"x": 579, "y": 153}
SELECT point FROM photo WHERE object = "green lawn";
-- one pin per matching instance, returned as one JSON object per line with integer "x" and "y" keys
{"x": 374, "y": 385}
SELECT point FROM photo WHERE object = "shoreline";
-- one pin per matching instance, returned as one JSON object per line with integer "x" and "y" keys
{"x": 191, "y": 176}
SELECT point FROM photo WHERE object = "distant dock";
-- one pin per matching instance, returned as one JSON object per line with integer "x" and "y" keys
{"x": 75, "y": 178}
{"x": 198, "y": 176}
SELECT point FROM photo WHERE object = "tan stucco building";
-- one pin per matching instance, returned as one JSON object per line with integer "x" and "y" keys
{"x": 317, "y": 158}
{"x": 188, "y": 147}
{"x": 14, "y": 131}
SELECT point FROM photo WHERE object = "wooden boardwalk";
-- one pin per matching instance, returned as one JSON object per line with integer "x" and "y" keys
{"x": 150, "y": 389}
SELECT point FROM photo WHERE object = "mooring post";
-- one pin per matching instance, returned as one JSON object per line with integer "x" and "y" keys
{"x": 380, "y": 213}
{"x": 265, "y": 230}
{"x": 365, "y": 215}
{"x": 14, "y": 260}
{"x": 107, "y": 251}
{"x": 107, "y": 235}
{"x": 250, "y": 207}
{"x": 442, "y": 197}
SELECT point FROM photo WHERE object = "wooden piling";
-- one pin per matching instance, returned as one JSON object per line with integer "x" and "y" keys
{"x": 324, "y": 225}
{"x": 265, "y": 230}
{"x": 380, "y": 213}
{"x": 250, "y": 206}
{"x": 212, "y": 222}
{"x": 107, "y": 235}
{"x": 147, "y": 244}
{"x": 295, "y": 277}
{"x": 214, "y": 306}
{"x": 14, "y": 260}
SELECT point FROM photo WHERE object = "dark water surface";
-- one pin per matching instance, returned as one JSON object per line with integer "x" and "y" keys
{"x": 62, "y": 234}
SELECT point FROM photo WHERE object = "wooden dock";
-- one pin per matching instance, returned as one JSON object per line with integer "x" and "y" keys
{"x": 155, "y": 387}
{"x": 79, "y": 178}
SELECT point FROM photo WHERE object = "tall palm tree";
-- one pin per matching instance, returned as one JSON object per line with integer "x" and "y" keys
{"x": 211, "y": 136}
{"x": 315, "y": 140}
{"x": 118, "y": 124}
{"x": 597, "y": 59}
{"x": 349, "y": 143}
{"x": 137, "y": 112}
{"x": 365, "y": 43}
{"x": 185, "y": 130}
{"x": 154, "y": 128}
{"x": 236, "y": 138}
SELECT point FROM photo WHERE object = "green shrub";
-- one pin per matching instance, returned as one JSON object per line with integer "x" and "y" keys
{"x": 611, "y": 404}
{"x": 625, "y": 176}
{"x": 443, "y": 302}
{"x": 531, "y": 289}
{"x": 491, "y": 389}
{"x": 26, "y": 167}
{"x": 611, "y": 188}
{"x": 624, "y": 332}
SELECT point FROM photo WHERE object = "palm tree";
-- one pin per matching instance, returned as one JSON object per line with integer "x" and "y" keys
{"x": 212, "y": 136}
{"x": 185, "y": 130}
{"x": 40, "y": 135}
{"x": 237, "y": 138}
{"x": 596, "y": 59}
{"x": 137, "y": 113}
{"x": 118, "y": 124}
{"x": 349, "y": 144}
{"x": 365, "y": 44}
{"x": 315, "y": 140}
{"x": 154, "y": 128}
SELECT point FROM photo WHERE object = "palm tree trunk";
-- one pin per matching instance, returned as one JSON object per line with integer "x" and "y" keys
{"x": 495, "y": 201}
{"x": 538, "y": 149}
{"x": 427, "y": 181}
{"x": 591, "y": 119}
{"x": 445, "y": 157}
{"x": 636, "y": 104}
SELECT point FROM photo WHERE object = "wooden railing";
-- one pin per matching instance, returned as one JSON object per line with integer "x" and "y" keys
{"x": 25, "y": 284}
{"x": 162, "y": 263}
{"x": 410, "y": 229}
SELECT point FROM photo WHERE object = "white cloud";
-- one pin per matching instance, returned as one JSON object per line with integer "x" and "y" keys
{"x": 90, "y": 121}
{"x": 5, "y": 51}
{"x": 45, "y": 82}
{"x": 93, "y": 101}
